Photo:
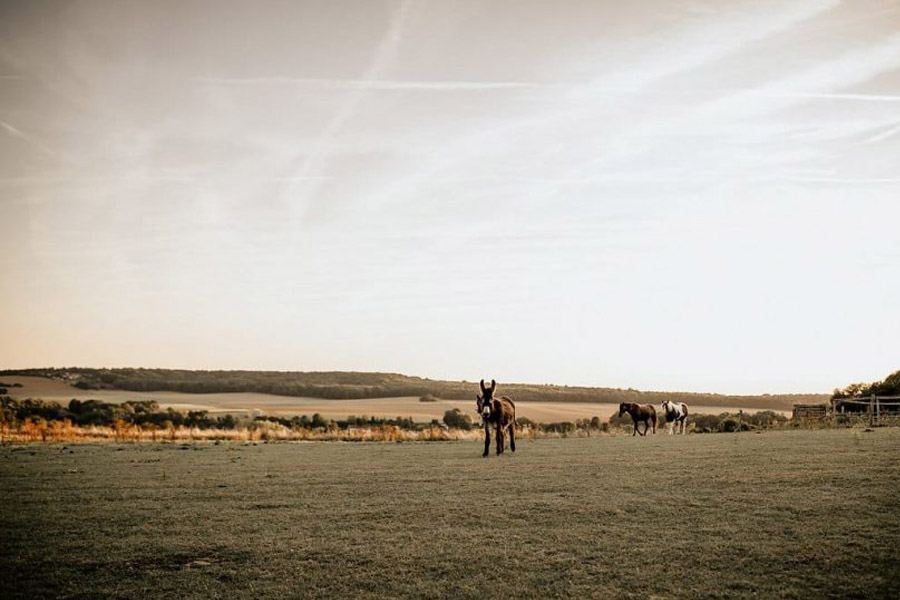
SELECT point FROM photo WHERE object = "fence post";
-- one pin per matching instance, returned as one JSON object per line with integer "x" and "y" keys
{"x": 877, "y": 410}
{"x": 872, "y": 410}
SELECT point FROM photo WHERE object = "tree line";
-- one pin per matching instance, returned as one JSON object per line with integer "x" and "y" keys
{"x": 147, "y": 414}
{"x": 889, "y": 386}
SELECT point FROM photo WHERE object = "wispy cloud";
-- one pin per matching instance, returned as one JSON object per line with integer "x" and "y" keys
{"x": 584, "y": 105}
{"x": 369, "y": 84}
{"x": 845, "y": 180}
{"x": 832, "y": 96}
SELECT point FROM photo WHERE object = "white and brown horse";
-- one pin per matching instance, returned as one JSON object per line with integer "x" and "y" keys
{"x": 676, "y": 414}
{"x": 498, "y": 414}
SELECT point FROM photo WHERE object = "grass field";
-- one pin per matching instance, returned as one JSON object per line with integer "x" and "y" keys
{"x": 778, "y": 514}
{"x": 244, "y": 403}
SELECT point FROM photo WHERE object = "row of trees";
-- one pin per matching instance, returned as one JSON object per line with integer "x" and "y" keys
{"x": 147, "y": 414}
{"x": 84, "y": 413}
{"x": 890, "y": 386}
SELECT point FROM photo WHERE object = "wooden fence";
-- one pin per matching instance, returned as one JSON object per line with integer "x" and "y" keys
{"x": 876, "y": 408}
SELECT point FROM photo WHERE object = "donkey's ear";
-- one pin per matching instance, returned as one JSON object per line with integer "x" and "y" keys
{"x": 478, "y": 397}
{"x": 493, "y": 384}
{"x": 483, "y": 390}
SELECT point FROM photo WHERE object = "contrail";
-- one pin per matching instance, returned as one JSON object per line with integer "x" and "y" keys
{"x": 17, "y": 133}
{"x": 887, "y": 133}
{"x": 324, "y": 146}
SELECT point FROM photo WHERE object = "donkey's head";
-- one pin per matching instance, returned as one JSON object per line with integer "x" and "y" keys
{"x": 484, "y": 401}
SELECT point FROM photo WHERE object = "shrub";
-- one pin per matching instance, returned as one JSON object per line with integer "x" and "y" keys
{"x": 616, "y": 421}
{"x": 226, "y": 422}
{"x": 454, "y": 419}
{"x": 564, "y": 427}
{"x": 729, "y": 424}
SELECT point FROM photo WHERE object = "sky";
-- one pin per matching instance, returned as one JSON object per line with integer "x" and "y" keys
{"x": 662, "y": 195}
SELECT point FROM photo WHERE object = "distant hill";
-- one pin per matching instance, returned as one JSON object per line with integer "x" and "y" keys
{"x": 357, "y": 385}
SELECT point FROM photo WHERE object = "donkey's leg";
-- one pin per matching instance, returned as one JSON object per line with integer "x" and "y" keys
{"x": 512, "y": 437}
{"x": 499, "y": 434}
{"x": 487, "y": 440}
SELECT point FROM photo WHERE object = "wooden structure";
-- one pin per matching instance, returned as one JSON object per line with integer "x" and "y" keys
{"x": 875, "y": 408}
{"x": 809, "y": 411}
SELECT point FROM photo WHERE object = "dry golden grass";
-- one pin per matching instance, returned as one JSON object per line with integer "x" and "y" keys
{"x": 64, "y": 431}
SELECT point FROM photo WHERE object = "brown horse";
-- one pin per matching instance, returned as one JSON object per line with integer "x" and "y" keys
{"x": 499, "y": 413}
{"x": 640, "y": 413}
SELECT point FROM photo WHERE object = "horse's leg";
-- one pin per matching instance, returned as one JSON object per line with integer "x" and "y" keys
{"x": 487, "y": 440}
{"x": 683, "y": 425}
{"x": 512, "y": 437}
{"x": 634, "y": 428}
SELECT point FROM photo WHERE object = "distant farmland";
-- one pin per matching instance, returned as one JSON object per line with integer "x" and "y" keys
{"x": 246, "y": 403}
{"x": 357, "y": 386}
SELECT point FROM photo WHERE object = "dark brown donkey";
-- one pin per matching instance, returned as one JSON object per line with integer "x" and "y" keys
{"x": 640, "y": 413}
{"x": 499, "y": 413}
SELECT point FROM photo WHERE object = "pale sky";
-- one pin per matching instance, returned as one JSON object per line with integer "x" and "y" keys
{"x": 664, "y": 195}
